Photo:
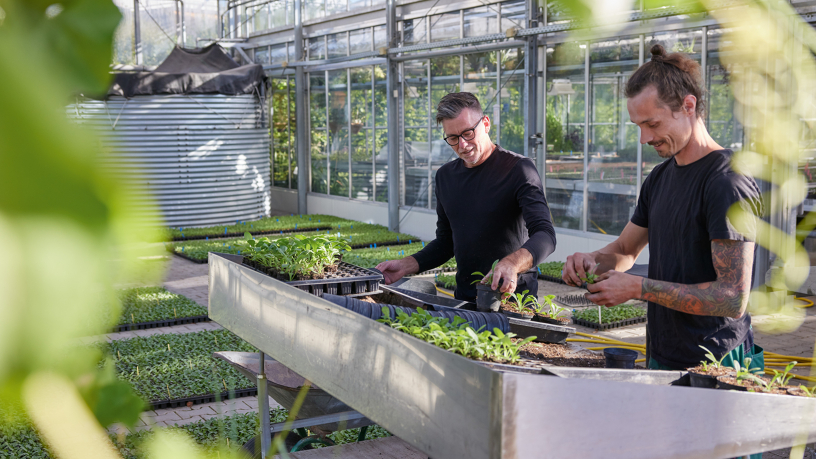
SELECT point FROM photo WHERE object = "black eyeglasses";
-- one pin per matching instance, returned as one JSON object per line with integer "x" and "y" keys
{"x": 453, "y": 139}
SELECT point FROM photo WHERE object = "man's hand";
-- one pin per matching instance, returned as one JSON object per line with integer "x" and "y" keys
{"x": 577, "y": 267}
{"x": 394, "y": 270}
{"x": 613, "y": 288}
{"x": 509, "y": 268}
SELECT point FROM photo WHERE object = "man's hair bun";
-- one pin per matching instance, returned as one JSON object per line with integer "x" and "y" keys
{"x": 658, "y": 52}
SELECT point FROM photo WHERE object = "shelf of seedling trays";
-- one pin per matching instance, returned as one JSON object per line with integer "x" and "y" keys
{"x": 310, "y": 263}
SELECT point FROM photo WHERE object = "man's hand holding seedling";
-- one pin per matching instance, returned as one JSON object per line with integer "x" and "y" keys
{"x": 578, "y": 267}
{"x": 612, "y": 288}
{"x": 508, "y": 269}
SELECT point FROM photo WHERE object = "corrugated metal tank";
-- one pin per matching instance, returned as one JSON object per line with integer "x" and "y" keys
{"x": 204, "y": 159}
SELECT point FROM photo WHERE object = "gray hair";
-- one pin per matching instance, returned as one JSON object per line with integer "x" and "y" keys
{"x": 451, "y": 105}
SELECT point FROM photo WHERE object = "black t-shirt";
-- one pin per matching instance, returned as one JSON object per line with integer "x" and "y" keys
{"x": 685, "y": 208}
{"x": 486, "y": 213}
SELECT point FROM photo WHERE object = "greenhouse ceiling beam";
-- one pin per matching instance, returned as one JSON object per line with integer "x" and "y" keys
{"x": 461, "y": 51}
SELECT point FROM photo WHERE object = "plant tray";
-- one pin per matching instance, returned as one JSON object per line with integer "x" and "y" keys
{"x": 347, "y": 280}
{"x": 442, "y": 285}
{"x": 254, "y": 233}
{"x": 184, "y": 255}
{"x": 617, "y": 324}
{"x": 574, "y": 301}
{"x": 435, "y": 271}
{"x": 208, "y": 398}
{"x": 547, "y": 278}
{"x": 162, "y": 323}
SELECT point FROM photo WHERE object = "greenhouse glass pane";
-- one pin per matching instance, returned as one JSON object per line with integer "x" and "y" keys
{"x": 612, "y": 165}
{"x": 362, "y": 141}
{"x": 480, "y": 80}
{"x": 337, "y": 44}
{"x": 293, "y": 134}
{"x": 278, "y": 103}
{"x": 277, "y": 53}
{"x": 445, "y": 74}
{"x": 380, "y": 134}
{"x": 380, "y": 38}
{"x": 338, "y": 133}
{"x": 278, "y": 13}
{"x": 260, "y": 20}
{"x": 262, "y": 55}
{"x": 317, "y": 48}
{"x": 353, "y": 4}
{"x": 445, "y": 26}
{"x": 511, "y": 100}
{"x": 319, "y": 140}
{"x": 123, "y": 36}
{"x": 360, "y": 41}
{"x": 723, "y": 124}
{"x": 413, "y": 31}
{"x": 513, "y": 14}
{"x": 157, "y": 21}
{"x": 336, "y": 6}
{"x": 313, "y": 9}
{"x": 565, "y": 133}
{"x": 481, "y": 21}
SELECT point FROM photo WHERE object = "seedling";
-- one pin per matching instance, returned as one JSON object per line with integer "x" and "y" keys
{"x": 808, "y": 392}
{"x": 591, "y": 277}
{"x": 715, "y": 363}
{"x": 546, "y": 307}
{"x": 523, "y": 301}
{"x": 486, "y": 279}
{"x": 782, "y": 378}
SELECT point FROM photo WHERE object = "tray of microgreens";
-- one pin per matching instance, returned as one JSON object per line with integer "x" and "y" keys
{"x": 311, "y": 263}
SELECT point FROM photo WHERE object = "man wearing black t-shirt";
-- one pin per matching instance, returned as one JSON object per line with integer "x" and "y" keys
{"x": 700, "y": 266}
{"x": 490, "y": 206}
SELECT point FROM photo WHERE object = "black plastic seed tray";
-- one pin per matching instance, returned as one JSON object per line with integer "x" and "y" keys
{"x": 184, "y": 255}
{"x": 254, "y": 233}
{"x": 347, "y": 280}
{"x": 574, "y": 301}
{"x": 435, "y": 271}
{"x": 162, "y": 323}
{"x": 442, "y": 285}
{"x": 547, "y": 278}
{"x": 208, "y": 398}
{"x": 611, "y": 325}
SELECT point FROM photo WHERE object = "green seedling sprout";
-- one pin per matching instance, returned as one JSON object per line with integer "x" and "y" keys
{"x": 486, "y": 279}
{"x": 783, "y": 378}
{"x": 715, "y": 363}
{"x": 524, "y": 301}
{"x": 808, "y": 392}
{"x": 591, "y": 277}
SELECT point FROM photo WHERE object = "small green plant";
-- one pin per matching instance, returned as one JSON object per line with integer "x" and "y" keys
{"x": 591, "y": 277}
{"x": 611, "y": 314}
{"x": 551, "y": 268}
{"x": 808, "y": 392}
{"x": 523, "y": 301}
{"x": 447, "y": 280}
{"x": 715, "y": 363}
{"x": 783, "y": 378}
{"x": 458, "y": 336}
{"x": 486, "y": 279}
{"x": 546, "y": 307}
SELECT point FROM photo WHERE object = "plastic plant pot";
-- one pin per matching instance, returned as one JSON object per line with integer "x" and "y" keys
{"x": 728, "y": 386}
{"x": 526, "y": 315}
{"x": 549, "y": 320}
{"x": 620, "y": 358}
{"x": 487, "y": 300}
{"x": 702, "y": 380}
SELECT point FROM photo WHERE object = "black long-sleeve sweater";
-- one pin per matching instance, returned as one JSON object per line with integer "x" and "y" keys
{"x": 486, "y": 213}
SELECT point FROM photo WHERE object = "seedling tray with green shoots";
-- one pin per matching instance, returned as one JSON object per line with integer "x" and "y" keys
{"x": 551, "y": 271}
{"x": 275, "y": 224}
{"x": 608, "y": 318}
{"x": 359, "y": 236}
{"x": 151, "y": 307}
{"x": 311, "y": 264}
{"x": 447, "y": 281}
{"x": 170, "y": 370}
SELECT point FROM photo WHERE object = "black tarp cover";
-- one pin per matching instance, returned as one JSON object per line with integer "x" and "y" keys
{"x": 207, "y": 70}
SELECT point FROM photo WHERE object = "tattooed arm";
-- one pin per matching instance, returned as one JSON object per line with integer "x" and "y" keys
{"x": 725, "y": 297}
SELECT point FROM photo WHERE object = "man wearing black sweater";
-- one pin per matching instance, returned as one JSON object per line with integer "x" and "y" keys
{"x": 490, "y": 206}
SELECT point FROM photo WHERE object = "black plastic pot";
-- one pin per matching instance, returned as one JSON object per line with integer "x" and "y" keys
{"x": 728, "y": 386}
{"x": 702, "y": 380}
{"x": 620, "y": 358}
{"x": 487, "y": 299}
{"x": 517, "y": 315}
{"x": 548, "y": 320}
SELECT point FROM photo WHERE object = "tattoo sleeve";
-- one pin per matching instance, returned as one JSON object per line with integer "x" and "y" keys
{"x": 725, "y": 297}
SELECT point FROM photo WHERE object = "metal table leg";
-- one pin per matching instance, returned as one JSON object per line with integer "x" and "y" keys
{"x": 263, "y": 408}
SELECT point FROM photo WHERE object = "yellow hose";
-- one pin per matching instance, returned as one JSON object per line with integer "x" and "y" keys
{"x": 442, "y": 291}
{"x": 808, "y": 303}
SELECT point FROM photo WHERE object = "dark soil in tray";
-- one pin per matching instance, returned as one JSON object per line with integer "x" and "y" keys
{"x": 561, "y": 355}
